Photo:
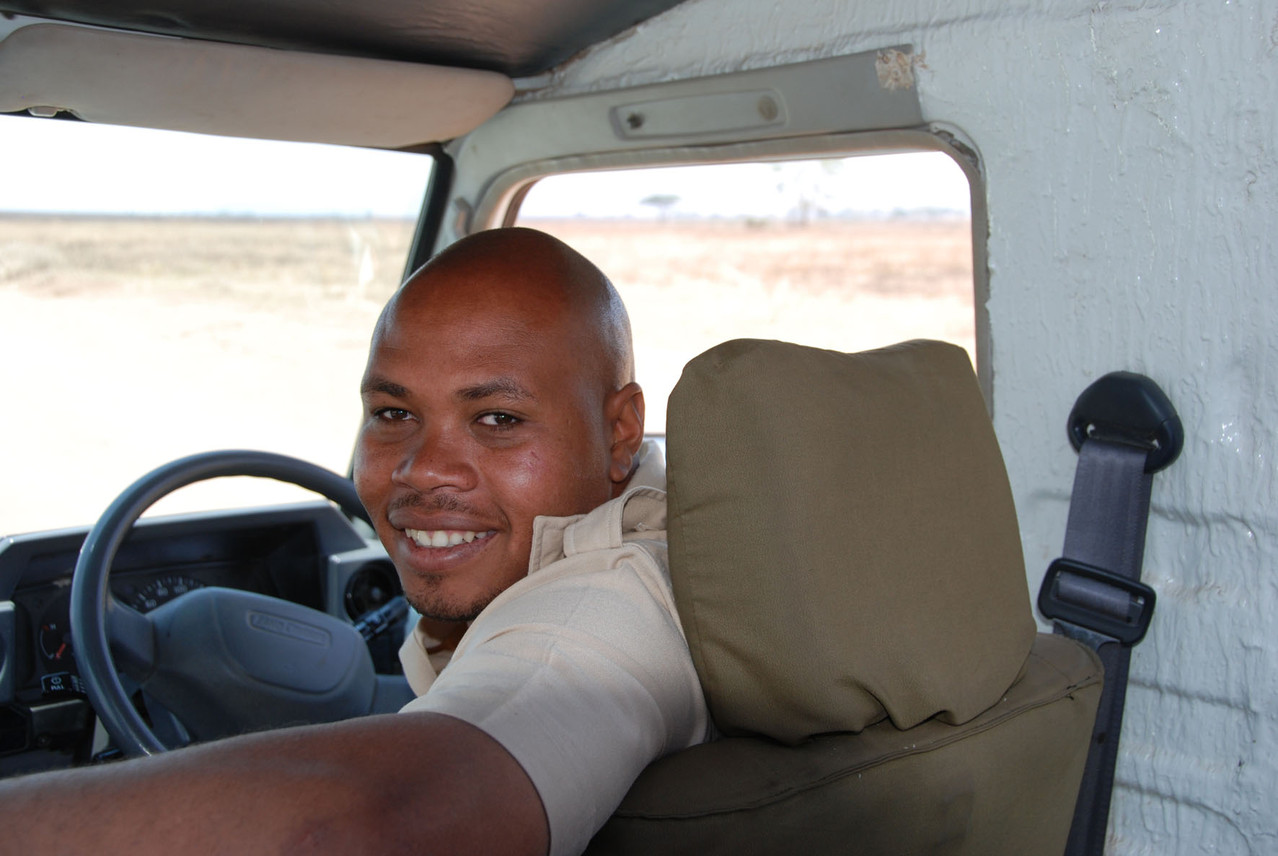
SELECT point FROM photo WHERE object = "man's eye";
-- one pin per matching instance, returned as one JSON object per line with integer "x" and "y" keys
{"x": 499, "y": 420}
{"x": 391, "y": 414}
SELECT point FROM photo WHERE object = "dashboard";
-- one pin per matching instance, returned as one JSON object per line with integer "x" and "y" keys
{"x": 307, "y": 553}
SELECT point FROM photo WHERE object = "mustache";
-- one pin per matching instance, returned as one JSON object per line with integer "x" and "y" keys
{"x": 443, "y": 502}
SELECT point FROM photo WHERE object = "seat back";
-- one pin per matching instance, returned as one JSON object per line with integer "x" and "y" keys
{"x": 847, "y": 565}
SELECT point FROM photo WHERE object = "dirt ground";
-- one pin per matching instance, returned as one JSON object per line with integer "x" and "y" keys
{"x": 125, "y": 343}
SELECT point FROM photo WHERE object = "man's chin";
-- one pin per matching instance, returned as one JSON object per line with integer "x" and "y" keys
{"x": 438, "y": 606}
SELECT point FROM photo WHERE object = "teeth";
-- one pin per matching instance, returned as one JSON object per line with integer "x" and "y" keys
{"x": 443, "y": 537}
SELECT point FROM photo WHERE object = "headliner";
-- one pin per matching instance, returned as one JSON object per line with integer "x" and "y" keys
{"x": 515, "y": 37}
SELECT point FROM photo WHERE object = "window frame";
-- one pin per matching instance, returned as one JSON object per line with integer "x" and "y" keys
{"x": 503, "y": 194}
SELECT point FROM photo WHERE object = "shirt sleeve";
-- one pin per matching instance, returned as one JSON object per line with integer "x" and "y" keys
{"x": 585, "y": 678}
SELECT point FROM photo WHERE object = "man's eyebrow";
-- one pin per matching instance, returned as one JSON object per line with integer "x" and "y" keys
{"x": 382, "y": 385}
{"x": 502, "y": 387}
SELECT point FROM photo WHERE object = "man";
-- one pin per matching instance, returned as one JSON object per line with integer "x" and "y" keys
{"x": 500, "y": 458}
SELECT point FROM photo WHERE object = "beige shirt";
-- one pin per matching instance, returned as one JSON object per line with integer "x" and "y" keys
{"x": 580, "y": 670}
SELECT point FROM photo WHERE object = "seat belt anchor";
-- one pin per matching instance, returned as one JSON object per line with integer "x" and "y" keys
{"x": 1128, "y": 408}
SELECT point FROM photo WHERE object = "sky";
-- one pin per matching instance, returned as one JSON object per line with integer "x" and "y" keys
{"x": 116, "y": 170}
{"x": 110, "y": 169}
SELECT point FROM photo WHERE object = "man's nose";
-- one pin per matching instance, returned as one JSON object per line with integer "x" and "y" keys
{"x": 439, "y": 459}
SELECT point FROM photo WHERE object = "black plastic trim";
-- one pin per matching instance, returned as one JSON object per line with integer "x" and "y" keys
{"x": 1125, "y": 407}
{"x": 1127, "y": 625}
{"x": 434, "y": 207}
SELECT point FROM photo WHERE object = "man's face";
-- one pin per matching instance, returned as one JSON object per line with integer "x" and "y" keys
{"x": 478, "y": 417}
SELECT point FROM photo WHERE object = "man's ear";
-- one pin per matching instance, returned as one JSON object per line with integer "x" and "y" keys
{"x": 625, "y": 410}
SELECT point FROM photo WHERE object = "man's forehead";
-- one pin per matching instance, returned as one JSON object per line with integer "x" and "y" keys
{"x": 470, "y": 359}
{"x": 465, "y": 356}
{"x": 483, "y": 328}
{"x": 457, "y": 314}
{"x": 493, "y": 334}
{"x": 486, "y": 284}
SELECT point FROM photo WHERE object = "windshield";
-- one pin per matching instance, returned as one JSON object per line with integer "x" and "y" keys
{"x": 163, "y": 294}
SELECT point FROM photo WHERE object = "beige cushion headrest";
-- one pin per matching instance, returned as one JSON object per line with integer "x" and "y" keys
{"x": 843, "y": 542}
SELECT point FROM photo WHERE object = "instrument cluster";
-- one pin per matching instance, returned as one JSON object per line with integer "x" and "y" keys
{"x": 43, "y": 622}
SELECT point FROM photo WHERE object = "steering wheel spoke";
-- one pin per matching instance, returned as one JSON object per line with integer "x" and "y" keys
{"x": 131, "y": 636}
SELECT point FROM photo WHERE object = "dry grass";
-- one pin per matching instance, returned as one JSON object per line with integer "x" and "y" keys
{"x": 125, "y": 343}
{"x": 261, "y": 265}
{"x": 899, "y": 258}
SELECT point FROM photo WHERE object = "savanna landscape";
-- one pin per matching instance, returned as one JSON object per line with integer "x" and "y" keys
{"x": 126, "y": 342}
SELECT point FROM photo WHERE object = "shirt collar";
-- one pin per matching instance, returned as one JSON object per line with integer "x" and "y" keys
{"x": 639, "y": 512}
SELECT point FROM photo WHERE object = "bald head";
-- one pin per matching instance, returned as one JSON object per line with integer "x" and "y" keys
{"x": 498, "y": 390}
{"x": 524, "y": 272}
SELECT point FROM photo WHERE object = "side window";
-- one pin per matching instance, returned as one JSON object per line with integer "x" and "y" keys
{"x": 163, "y": 294}
{"x": 848, "y": 253}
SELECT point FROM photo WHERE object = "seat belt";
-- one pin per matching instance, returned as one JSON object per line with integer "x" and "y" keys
{"x": 1125, "y": 429}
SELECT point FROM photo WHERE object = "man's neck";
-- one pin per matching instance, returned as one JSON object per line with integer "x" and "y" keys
{"x": 446, "y": 633}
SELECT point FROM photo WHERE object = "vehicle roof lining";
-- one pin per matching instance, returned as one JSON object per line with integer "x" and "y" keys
{"x": 514, "y": 37}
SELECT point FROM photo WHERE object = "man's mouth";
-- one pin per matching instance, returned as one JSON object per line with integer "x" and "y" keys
{"x": 445, "y": 537}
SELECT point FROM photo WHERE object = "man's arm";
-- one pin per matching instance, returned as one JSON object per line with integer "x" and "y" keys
{"x": 410, "y": 782}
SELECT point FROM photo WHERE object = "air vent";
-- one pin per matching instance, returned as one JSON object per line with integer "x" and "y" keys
{"x": 371, "y": 586}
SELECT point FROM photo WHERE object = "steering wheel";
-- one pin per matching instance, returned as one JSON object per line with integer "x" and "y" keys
{"x": 220, "y": 660}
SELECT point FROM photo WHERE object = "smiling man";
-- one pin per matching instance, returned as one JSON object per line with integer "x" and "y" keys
{"x": 501, "y": 458}
{"x": 501, "y": 461}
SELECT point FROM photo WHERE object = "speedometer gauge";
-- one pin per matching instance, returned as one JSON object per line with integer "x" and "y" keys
{"x": 160, "y": 591}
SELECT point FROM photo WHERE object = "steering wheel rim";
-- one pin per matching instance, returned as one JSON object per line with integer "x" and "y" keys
{"x": 93, "y": 607}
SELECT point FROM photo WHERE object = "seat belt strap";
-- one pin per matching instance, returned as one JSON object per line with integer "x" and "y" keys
{"x": 1124, "y": 429}
{"x": 1109, "y": 507}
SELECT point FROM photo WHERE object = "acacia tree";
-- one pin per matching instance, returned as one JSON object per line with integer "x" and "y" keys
{"x": 663, "y": 202}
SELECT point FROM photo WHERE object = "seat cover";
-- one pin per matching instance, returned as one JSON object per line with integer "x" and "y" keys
{"x": 843, "y": 541}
